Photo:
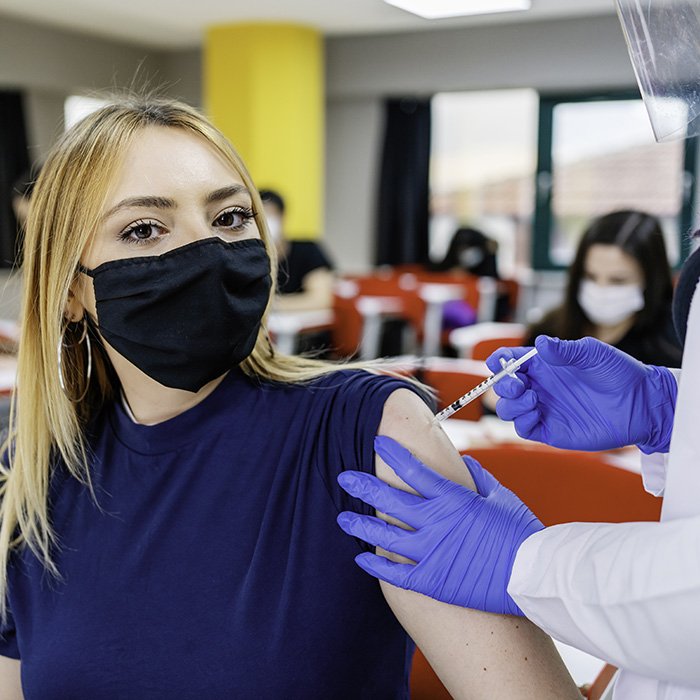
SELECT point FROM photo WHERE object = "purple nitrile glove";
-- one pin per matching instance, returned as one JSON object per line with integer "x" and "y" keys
{"x": 586, "y": 395}
{"x": 464, "y": 543}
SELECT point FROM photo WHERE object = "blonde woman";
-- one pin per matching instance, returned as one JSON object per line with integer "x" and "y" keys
{"x": 170, "y": 500}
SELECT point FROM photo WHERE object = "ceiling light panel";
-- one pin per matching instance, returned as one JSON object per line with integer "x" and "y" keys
{"x": 435, "y": 9}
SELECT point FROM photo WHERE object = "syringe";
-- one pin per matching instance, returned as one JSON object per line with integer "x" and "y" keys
{"x": 509, "y": 368}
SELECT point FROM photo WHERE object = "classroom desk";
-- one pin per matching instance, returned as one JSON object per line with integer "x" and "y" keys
{"x": 375, "y": 310}
{"x": 435, "y": 296}
{"x": 8, "y": 374}
{"x": 287, "y": 326}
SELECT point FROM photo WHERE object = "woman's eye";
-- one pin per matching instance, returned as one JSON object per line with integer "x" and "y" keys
{"x": 235, "y": 219}
{"x": 140, "y": 232}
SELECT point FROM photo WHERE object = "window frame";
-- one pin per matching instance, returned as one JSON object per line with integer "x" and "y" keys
{"x": 543, "y": 216}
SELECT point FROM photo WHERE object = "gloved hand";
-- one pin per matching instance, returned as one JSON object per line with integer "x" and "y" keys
{"x": 586, "y": 395}
{"x": 464, "y": 543}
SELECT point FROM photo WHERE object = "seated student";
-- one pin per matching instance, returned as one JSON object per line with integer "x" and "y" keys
{"x": 304, "y": 277}
{"x": 472, "y": 252}
{"x": 170, "y": 494}
{"x": 619, "y": 290}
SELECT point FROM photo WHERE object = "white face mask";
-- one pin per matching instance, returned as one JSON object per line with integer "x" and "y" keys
{"x": 471, "y": 257}
{"x": 608, "y": 305}
{"x": 274, "y": 226}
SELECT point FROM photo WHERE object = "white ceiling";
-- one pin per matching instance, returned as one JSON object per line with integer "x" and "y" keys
{"x": 181, "y": 23}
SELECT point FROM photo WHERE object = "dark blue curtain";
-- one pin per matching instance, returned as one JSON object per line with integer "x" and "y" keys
{"x": 402, "y": 220}
{"x": 14, "y": 160}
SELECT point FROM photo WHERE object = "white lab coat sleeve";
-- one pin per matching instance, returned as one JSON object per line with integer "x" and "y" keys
{"x": 654, "y": 466}
{"x": 628, "y": 593}
{"x": 676, "y": 373}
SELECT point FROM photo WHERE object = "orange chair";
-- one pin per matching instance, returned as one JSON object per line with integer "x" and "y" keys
{"x": 346, "y": 332}
{"x": 424, "y": 683}
{"x": 410, "y": 291}
{"x": 562, "y": 486}
{"x": 601, "y": 682}
{"x": 452, "y": 378}
{"x": 418, "y": 287}
{"x": 559, "y": 486}
{"x": 364, "y": 301}
{"x": 455, "y": 286}
{"x": 484, "y": 348}
{"x": 477, "y": 342}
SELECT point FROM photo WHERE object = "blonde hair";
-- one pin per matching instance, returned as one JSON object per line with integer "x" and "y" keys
{"x": 68, "y": 200}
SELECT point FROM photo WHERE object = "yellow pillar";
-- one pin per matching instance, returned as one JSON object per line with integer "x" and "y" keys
{"x": 264, "y": 88}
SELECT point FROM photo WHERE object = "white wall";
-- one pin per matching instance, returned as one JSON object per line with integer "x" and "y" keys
{"x": 353, "y": 126}
{"x": 48, "y": 65}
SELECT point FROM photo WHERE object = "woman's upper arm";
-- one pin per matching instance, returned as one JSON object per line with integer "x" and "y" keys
{"x": 10, "y": 682}
{"x": 476, "y": 654}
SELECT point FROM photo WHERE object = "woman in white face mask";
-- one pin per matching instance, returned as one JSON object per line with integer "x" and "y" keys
{"x": 619, "y": 290}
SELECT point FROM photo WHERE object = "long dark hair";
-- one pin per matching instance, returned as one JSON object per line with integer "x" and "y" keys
{"x": 466, "y": 237}
{"x": 640, "y": 236}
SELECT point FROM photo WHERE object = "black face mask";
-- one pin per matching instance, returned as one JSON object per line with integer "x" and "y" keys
{"x": 683, "y": 294}
{"x": 188, "y": 316}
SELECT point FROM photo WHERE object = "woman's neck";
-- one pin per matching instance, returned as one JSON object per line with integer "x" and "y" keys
{"x": 157, "y": 406}
{"x": 151, "y": 402}
{"x": 613, "y": 334}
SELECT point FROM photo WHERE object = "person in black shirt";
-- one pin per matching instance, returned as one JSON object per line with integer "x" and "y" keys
{"x": 305, "y": 273}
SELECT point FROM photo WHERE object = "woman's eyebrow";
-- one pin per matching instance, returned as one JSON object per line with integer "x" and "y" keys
{"x": 145, "y": 201}
{"x": 155, "y": 202}
{"x": 226, "y": 192}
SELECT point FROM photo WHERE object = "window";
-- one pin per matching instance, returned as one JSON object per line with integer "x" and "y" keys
{"x": 598, "y": 155}
{"x": 482, "y": 170}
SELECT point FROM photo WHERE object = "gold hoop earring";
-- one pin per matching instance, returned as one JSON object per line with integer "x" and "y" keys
{"x": 85, "y": 336}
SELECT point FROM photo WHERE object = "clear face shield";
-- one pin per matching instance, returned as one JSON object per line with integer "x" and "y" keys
{"x": 663, "y": 39}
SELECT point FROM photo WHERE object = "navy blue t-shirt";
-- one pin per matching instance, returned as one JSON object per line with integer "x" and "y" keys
{"x": 212, "y": 565}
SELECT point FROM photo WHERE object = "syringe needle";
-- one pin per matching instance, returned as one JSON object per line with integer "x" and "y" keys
{"x": 509, "y": 368}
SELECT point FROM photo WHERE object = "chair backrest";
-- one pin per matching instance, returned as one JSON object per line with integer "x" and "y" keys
{"x": 452, "y": 378}
{"x": 349, "y": 292}
{"x": 477, "y": 342}
{"x": 484, "y": 348}
{"x": 601, "y": 683}
{"x": 424, "y": 683}
{"x": 563, "y": 486}
{"x": 407, "y": 284}
{"x": 346, "y": 332}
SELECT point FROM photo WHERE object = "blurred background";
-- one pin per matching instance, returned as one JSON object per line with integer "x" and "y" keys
{"x": 442, "y": 172}
{"x": 529, "y": 123}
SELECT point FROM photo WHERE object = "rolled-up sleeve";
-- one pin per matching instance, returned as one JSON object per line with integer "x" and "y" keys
{"x": 654, "y": 466}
